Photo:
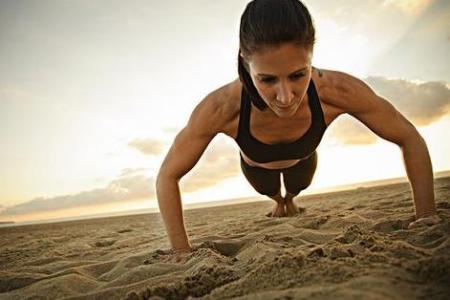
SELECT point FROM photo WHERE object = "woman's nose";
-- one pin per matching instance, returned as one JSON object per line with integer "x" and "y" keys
{"x": 285, "y": 95}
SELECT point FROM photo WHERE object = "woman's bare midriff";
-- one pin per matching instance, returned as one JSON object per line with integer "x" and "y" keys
{"x": 279, "y": 164}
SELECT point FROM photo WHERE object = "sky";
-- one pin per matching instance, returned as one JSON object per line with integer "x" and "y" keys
{"x": 92, "y": 94}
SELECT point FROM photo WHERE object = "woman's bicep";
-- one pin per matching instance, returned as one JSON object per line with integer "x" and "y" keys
{"x": 190, "y": 143}
{"x": 377, "y": 113}
{"x": 184, "y": 153}
{"x": 382, "y": 118}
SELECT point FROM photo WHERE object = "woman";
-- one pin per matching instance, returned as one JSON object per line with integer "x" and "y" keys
{"x": 277, "y": 111}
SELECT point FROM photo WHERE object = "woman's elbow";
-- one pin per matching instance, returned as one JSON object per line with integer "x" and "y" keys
{"x": 164, "y": 176}
{"x": 412, "y": 138}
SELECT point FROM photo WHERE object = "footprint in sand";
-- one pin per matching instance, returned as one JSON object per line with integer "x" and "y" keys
{"x": 443, "y": 205}
{"x": 391, "y": 225}
{"x": 201, "y": 282}
{"x": 225, "y": 247}
{"x": 103, "y": 243}
{"x": 14, "y": 281}
{"x": 317, "y": 222}
{"x": 350, "y": 235}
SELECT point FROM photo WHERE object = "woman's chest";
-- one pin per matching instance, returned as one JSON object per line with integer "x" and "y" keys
{"x": 272, "y": 131}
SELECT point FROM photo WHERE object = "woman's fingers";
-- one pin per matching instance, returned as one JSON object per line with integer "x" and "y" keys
{"x": 183, "y": 250}
{"x": 176, "y": 255}
{"x": 431, "y": 220}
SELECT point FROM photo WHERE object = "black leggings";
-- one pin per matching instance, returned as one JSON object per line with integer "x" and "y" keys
{"x": 267, "y": 181}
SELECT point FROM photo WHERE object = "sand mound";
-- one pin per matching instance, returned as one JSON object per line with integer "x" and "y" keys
{"x": 347, "y": 245}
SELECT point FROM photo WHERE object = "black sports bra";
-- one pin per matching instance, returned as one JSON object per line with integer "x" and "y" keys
{"x": 299, "y": 149}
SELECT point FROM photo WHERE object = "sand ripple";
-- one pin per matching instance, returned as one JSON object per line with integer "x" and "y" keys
{"x": 347, "y": 245}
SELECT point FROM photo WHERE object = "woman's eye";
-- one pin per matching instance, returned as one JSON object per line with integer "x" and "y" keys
{"x": 273, "y": 79}
{"x": 267, "y": 80}
{"x": 297, "y": 76}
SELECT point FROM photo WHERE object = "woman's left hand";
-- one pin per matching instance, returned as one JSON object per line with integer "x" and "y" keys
{"x": 177, "y": 256}
{"x": 431, "y": 220}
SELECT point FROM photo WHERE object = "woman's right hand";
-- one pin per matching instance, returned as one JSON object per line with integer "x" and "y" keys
{"x": 183, "y": 250}
{"x": 178, "y": 255}
{"x": 428, "y": 221}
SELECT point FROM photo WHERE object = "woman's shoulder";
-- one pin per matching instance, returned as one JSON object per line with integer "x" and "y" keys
{"x": 335, "y": 88}
{"x": 221, "y": 106}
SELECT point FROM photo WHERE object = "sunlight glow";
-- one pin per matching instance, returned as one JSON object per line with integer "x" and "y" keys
{"x": 72, "y": 101}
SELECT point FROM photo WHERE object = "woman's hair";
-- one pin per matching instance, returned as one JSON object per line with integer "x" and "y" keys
{"x": 271, "y": 23}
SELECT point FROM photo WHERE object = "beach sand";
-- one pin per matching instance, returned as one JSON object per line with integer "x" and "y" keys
{"x": 347, "y": 245}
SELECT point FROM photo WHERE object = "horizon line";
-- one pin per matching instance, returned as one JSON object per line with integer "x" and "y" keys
{"x": 221, "y": 202}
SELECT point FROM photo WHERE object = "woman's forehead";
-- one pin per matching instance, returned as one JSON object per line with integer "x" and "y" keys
{"x": 284, "y": 58}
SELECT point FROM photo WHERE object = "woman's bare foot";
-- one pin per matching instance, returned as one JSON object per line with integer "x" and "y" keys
{"x": 292, "y": 209}
{"x": 278, "y": 211}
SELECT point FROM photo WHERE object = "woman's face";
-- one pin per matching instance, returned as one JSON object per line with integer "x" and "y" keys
{"x": 281, "y": 75}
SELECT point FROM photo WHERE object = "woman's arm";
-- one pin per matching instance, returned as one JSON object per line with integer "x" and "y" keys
{"x": 359, "y": 100}
{"x": 420, "y": 174}
{"x": 186, "y": 150}
{"x": 169, "y": 201}
{"x": 184, "y": 153}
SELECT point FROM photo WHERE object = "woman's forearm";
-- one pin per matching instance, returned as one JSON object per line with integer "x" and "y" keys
{"x": 420, "y": 174}
{"x": 169, "y": 201}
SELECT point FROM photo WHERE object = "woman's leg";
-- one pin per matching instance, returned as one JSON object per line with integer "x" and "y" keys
{"x": 296, "y": 179}
{"x": 292, "y": 209}
{"x": 266, "y": 182}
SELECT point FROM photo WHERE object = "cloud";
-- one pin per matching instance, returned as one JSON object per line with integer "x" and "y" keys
{"x": 119, "y": 190}
{"x": 348, "y": 130}
{"x": 366, "y": 31}
{"x": 148, "y": 146}
{"x": 421, "y": 103}
{"x": 366, "y": 14}
{"x": 132, "y": 171}
{"x": 171, "y": 130}
{"x": 410, "y": 6}
{"x": 14, "y": 94}
{"x": 219, "y": 162}
{"x": 421, "y": 52}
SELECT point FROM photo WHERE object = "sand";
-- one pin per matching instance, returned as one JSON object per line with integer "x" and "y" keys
{"x": 347, "y": 245}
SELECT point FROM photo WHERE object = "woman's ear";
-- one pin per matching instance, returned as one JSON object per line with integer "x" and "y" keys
{"x": 242, "y": 55}
{"x": 244, "y": 61}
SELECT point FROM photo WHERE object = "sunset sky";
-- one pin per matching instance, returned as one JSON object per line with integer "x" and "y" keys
{"x": 92, "y": 94}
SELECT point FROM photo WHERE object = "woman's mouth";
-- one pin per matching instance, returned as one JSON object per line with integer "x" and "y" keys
{"x": 284, "y": 107}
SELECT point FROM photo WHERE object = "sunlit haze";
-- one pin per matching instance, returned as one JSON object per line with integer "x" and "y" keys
{"x": 92, "y": 94}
